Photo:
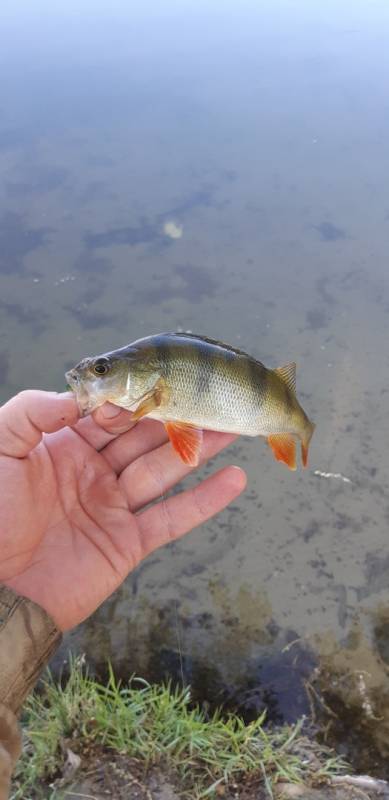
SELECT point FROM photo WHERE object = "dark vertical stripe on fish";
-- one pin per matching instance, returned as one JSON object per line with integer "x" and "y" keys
{"x": 164, "y": 356}
{"x": 257, "y": 378}
{"x": 204, "y": 368}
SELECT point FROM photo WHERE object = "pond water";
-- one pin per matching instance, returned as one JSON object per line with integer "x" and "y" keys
{"x": 221, "y": 167}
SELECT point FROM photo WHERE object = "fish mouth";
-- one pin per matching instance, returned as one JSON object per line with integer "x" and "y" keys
{"x": 86, "y": 403}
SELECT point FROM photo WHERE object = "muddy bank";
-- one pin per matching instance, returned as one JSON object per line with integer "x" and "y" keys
{"x": 123, "y": 779}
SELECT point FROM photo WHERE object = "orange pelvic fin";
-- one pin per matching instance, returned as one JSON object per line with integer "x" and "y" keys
{"x": 284, "y": 448}
{"x": 186, "y": 440}
{"x": 150, "y": 401}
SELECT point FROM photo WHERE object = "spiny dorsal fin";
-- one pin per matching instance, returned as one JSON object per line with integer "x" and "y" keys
{"x": 288, "y": 375}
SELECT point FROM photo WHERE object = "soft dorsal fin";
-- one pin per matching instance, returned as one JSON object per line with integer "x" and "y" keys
{"x": 288, "y": 375}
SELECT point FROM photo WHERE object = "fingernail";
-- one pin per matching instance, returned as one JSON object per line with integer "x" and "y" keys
{"x": 109, "y": 411}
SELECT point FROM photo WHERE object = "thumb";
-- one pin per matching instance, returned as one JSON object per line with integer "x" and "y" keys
{"x": 29, "y": 414}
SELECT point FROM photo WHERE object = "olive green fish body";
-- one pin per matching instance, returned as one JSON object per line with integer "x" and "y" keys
{"x": 211, "y": 386}
{"x": 197, "y": 382}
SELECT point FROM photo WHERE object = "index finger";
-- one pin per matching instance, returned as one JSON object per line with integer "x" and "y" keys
{"x": 31, "y": 413}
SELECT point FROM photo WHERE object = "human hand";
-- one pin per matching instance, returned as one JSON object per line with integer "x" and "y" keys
{"x": 75, "y": 517}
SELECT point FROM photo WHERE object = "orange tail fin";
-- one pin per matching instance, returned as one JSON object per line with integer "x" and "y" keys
{"x": 305, "y": 439}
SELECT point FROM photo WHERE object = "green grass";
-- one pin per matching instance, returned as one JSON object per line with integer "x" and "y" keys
{"x": 158, "y": 725}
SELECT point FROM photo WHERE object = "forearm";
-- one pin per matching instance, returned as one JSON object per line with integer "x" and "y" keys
{"x": 28, "y": 638}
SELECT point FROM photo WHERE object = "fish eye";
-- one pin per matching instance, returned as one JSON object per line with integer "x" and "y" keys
{"x": 101, "y": 366}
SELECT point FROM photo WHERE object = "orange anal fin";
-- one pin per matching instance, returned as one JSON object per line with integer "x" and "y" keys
{"x": 150, "y": 402}
{"x": 284, "y": 448}
{"x": 186, "y": 440}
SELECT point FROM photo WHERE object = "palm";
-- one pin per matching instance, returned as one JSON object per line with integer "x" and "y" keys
{"x": 72, "y": 520}
{"x": 80, "y": 530}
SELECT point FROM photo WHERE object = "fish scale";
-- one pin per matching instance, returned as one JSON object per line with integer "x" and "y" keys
{"x": 206, "y": 392}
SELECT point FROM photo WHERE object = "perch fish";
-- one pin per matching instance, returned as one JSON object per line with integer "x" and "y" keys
{"x": 192, "y": 383}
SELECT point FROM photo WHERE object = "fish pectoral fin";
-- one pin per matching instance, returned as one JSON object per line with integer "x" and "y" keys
{"x": 150, "y": 401}
{"x": 284, "y": 448}
{"x": 186, "y": 440}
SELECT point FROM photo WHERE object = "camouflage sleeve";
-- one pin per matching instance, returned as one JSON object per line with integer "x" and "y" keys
{"x": 10, "y": 747}
{"x": 28, "y": 638}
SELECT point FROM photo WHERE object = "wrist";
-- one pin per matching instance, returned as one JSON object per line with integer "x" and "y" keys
{"x": 37, "y": 594}
{"x": 28, "y": 638}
